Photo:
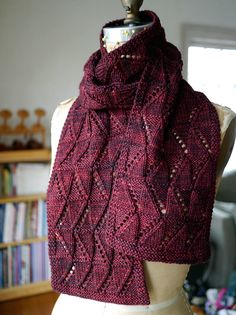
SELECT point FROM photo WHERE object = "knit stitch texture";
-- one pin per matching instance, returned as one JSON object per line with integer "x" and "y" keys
{"x": 135, "y": 172}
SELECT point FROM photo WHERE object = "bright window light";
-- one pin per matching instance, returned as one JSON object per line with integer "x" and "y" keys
{"x": 213, "y": 72}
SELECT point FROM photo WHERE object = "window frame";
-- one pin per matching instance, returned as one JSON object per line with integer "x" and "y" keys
{"x": 205, "y": 36}
{"x": 208, "y": 37}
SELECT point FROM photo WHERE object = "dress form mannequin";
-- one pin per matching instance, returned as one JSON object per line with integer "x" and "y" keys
{"x": 164, "y": 281}
{"x": 116, "y": 36}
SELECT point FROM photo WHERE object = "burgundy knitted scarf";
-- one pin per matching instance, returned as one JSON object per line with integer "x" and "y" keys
{"x": 134, "y": 174}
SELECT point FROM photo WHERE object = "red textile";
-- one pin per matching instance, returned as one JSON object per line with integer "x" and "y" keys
{"x": 134, "y": 174}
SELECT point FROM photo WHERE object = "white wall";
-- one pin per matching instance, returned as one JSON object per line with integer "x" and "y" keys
{"x": 44, "y": 43}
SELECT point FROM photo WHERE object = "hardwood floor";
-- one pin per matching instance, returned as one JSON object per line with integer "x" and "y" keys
{"x": 35, "y": 305}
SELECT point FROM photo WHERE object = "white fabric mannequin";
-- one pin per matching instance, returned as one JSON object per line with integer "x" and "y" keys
{"x": 164, "y": 281}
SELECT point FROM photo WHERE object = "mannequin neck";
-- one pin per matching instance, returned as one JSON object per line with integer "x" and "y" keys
{"x": 115, "y": 37}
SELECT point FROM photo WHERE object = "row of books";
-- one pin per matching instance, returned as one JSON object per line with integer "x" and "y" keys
{"x": 22, "y": 220}
{"x": 23, "y": 178}
{"x": 24, "y": 264}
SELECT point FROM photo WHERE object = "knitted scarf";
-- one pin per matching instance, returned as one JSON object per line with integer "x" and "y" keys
{"x": 134, "y": 174}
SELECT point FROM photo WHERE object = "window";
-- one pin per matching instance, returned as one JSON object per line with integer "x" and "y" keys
{"x": 210, "y": 67}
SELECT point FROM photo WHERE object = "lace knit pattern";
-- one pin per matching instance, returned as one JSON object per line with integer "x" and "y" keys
{"x": 134, "y": 174}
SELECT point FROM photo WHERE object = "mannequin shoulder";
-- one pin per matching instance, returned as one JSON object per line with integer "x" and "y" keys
{"x": 57, "y": 122}
{"x": 227, "y": 118}
{"x": 61, "y": 111}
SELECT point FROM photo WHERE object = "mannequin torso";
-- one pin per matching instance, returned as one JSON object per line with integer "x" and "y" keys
{"x": 164, "y": 281}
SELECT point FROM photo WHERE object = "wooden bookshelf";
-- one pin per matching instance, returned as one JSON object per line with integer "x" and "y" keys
{"x": 19, "y": 156}
{"x": 24, "y": 242}
{"x": 41, "y": 155}
{"x": 22, "y": 198}
{"x": 25, "y": 290}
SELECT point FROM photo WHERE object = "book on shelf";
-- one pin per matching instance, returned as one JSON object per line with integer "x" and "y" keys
{"x": 2, "y": 215}
{"x": 4, "y": 264}
{"x": 32, "y": 178}
{"x": 23, "y": 220}
{"x": 23, "y": 178}
{"x": 1, "y": 268}
{"x": 24, "y": 264}
{"x": 20, "y": 221}
{"x": 9, "y": 223}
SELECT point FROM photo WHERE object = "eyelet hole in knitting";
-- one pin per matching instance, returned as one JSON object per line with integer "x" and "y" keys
{"x": 124, "y": 221}
{"x": 58, "y": 184}
{"x": 62, "y": 217}
{"x": 132, "y": 159}
{"x": 153, "y": 95}
{"x": 150, "y": 168}
{"x": 117, "y": 128}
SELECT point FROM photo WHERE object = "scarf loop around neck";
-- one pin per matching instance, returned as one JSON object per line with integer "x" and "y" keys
{"x": 135, "y": 171}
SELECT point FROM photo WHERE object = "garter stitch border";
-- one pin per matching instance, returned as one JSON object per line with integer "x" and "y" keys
{"x": 134, "y": 174}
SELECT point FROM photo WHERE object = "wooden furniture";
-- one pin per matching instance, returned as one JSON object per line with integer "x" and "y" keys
{"x": 41, "y": 304}
{"x": 42, "y": 155}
